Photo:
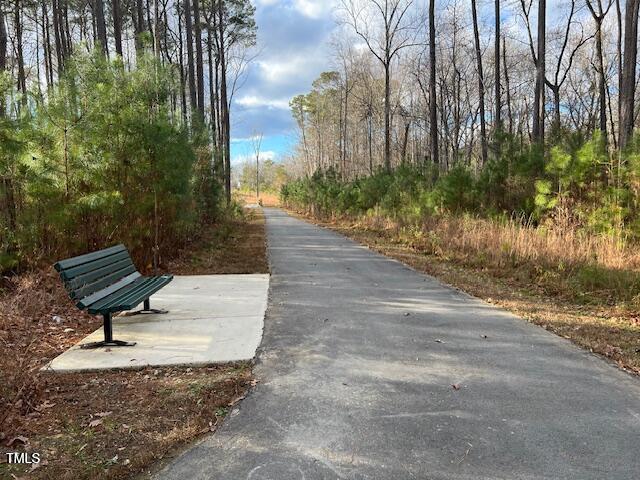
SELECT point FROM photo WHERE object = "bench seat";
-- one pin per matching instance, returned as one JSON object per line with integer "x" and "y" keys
{"x": 129, "y": 296}
{"x": 106, "y": 282}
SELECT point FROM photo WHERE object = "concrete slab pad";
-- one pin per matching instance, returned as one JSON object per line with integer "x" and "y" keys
{"x": 212, "y": 319}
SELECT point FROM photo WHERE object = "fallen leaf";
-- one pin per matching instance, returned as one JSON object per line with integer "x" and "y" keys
{"x": 42, "y": 463}
{"x": 236, "y": 400}
{"x": 45, "y": 404}
{"x": 102, "y": 414}
{"x": 95, "y": 423}
{"x": 610, "y": 350}
{"x": 19, "y": 439}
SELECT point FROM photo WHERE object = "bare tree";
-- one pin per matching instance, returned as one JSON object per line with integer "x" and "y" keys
{"x": 433, "y": 114}
{"x": 3, "y": 48}
{"x": 199, "y": 60}
{"x": 191, "y": 72}
{"x": 496, "y": 62}
{"x": 386, "y": 29}
{"x": 560, "y": 74}
{"x": 256, "y": 142}
{"x": 483, "y": 128}
{"x": 538, "y": 113}
{"x": 599, "y": 14}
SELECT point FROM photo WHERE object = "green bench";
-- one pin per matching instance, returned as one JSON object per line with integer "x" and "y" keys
{"x": 106, "y": 282}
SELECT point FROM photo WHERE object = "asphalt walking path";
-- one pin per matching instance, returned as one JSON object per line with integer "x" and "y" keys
{"x": 370, "y": 370}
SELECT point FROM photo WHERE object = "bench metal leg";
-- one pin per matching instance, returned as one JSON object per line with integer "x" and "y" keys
{"x": 108, "y": 337}
{"x": 146, "y": 310}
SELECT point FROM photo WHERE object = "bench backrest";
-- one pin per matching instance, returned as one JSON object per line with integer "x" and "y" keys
{"x": 93, "y": 276}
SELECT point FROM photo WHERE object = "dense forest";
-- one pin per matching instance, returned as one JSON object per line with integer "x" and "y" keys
{"x": 501, "y": 109}
{"x": 115, "y": 122}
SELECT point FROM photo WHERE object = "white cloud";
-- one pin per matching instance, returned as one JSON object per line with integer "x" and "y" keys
{"x": 276, "y": 71}
{"x": 313, "y": 8}
{"x": 244, "y": 139}
{"x": 251, "y": 157}
{"x": 308, "y": 8}
{"x": 254, "y": 101}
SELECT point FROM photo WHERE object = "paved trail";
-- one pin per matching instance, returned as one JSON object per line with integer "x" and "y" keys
{"x": 356, "y": 370}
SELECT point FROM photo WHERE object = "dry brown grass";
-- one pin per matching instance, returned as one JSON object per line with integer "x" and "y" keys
{"x": 512, "y": 242}
{"x": 541, "y": 274}
{"x": 267, "y": 199}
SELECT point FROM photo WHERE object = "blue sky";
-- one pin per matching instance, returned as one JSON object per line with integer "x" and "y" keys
{"x": 292, "y": 44}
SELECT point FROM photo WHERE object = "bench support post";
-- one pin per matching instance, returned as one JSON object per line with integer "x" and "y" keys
{"x": 147, "y": 310}
{"x": 108, "y": 336}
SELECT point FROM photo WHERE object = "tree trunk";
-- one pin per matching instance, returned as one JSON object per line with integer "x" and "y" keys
{"x": 183, "y": 86}
{"x": 602, "y": 85}
{"x": 506, "y": 84}
{"x": 224, "y": 104}
{"x": 22, "y": 81}
{"x": 57, "y": 33}
{"x": 3, "y": 48}
{"x": 39, "y": 50}
{"x": 199, "y": 62}
{"x": 101, "y": 27}
{"x": 556, "y": 108}
{"x": 190, "y": 66}
{"x": 628, "y": 79}
{"x": 539, "y": 100}
{"x": 138, "y": 23}
{"x": 67, "y": 29}
{"x": 598, "y": 17}
{"x": 48, "y": 57}
{"x": 117, "y": 26}
{"x": 496, "y": 54}
{"x": 7, "y": 180}
{"x": 483, "y": 127}
{"x": 157, "y": 45}
{"x": 345, "y": 124}
{"x": 433, "y": 112}
{"x": 405, "y": 141}
{"x": 387, "y": 116}
{"x": 619, "y": 49}
{"x": 212, "y": 95}
{"x": 370, "y": 139}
